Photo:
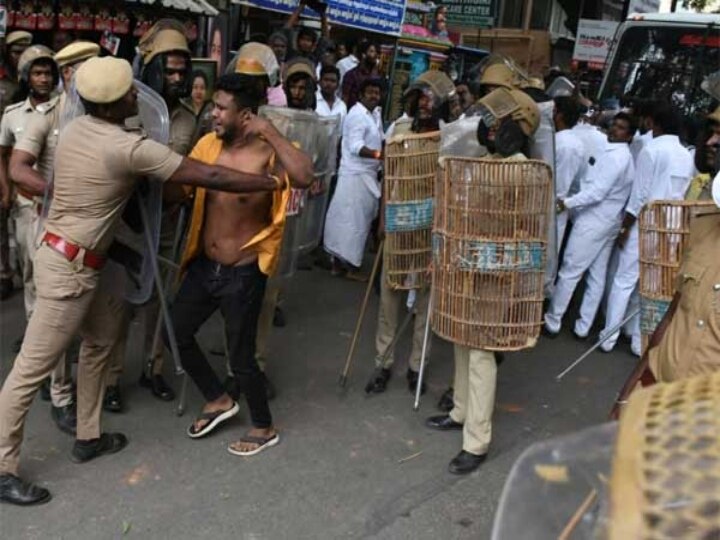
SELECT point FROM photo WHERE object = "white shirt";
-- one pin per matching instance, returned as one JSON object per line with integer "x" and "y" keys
{"x": 346, "y": 64}
{"x": 639, "y": 142}
{"x": 570, "y": 162}
{"x": 605, "y": 189}
{"x": 664, "y": 170}
{"x": 323, "y": 108}
{"x": 592, "y": 138}
{"x": 362, "y": 128}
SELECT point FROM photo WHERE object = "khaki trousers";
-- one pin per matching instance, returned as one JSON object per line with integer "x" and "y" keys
{"x": 26, "y": 232}
{"x": 474, "y": 397}
{"x": 68, "y": 303}
{"x": 389, "y": 319}
{"x": 25, "y": 217}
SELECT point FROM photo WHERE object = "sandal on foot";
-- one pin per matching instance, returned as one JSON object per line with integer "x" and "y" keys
{"x": 214, "y": 418}
{"x": 262, "y": 442}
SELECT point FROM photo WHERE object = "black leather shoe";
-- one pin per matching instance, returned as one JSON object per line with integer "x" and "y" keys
{"x": 465, "y": 462}
{"x": 378, "y": 382}
{"x": 6, "y": 288}
{"x": 547, "y": 333}
{"x": 157, "y": 386}
{"x": 45, "y": 390}
{"x": 443, "y": 422}
{"x": 446, "y": 403}
{"x": 14, "y": 490}
{"x": 108, "y": 443}
{"x": 412, "y": 378}
{"x": 112, "y": 402}
{"x": 65, "y": 418}
{"x": 279, "y": 318}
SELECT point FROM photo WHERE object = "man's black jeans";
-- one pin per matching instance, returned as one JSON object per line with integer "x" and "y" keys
{"x": 238, "y": 292}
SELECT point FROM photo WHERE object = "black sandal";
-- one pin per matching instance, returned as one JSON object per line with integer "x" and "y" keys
{"x": 262, "y": 442}
{"x": 215, "y": 419}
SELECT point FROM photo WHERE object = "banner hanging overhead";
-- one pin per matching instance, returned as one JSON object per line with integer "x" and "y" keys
{"x": 382, "y": 16}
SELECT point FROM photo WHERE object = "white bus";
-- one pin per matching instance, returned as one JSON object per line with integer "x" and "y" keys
{"x": 664, "y": 57}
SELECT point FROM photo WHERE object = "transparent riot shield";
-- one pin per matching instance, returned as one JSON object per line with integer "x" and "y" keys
{"x": 561, "y": 87}
{"x": 312, "y": 219}
{"x": 301, "y": 128}
{"x": 542, "y": 147}
{"x": 558, "y": 488}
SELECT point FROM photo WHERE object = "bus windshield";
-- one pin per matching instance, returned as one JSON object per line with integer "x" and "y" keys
{"x": 665, "y": 63}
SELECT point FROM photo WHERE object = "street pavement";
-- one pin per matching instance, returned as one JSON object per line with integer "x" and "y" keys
{"x": 348, "y": 465}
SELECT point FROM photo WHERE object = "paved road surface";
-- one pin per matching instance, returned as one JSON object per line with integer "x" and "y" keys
{"x": 339, "y": 470}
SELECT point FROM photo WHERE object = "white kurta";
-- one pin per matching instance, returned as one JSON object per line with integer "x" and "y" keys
{"x": 664, "y": 170}
{"x": 594, "y": 142}
{"x": 355, "y": 202}
{"x": 598, "y": 208}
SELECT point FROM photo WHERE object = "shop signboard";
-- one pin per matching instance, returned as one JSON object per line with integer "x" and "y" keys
{"x": 475, "y": 13}
{"x": 593, "y": 40}
{"x": 381, "y": 16}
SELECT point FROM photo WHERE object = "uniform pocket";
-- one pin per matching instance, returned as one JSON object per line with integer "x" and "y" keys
{"x": 689, "y": 283}
{"x": 57, "y": 278}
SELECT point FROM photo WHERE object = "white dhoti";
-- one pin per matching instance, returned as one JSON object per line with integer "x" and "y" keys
{"x": 352, "y": 211}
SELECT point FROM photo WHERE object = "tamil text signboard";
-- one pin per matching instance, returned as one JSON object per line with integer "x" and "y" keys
{"x": 382, "y": 16}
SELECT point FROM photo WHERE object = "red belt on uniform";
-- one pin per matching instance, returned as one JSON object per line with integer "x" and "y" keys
{"x": 90, "y": 259}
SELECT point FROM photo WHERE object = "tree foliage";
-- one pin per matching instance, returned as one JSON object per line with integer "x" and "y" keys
{"x": 697, "y": 5}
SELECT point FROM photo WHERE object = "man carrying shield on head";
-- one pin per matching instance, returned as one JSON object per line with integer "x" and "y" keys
{"x": 428, "y": 103}
{"x": 489, "y": 247}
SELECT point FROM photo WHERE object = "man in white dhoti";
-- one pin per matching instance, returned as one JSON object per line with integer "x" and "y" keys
{"x": 356, "y": 200}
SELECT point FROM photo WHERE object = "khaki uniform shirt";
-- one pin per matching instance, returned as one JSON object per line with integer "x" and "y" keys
{"x": 96, "y": 167}
{"x": 40, "y": 136}
{"x": 14, "y": 121}
{"x": 182, "y": 128}
{"x": 7, "y": 91}
{"x": 691, "y": 344}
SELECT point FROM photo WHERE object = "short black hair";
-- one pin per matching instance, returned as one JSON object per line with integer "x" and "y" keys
{"x": 371, "y": 81}
{"x": 364, "y": 45}
{"x": 569, "y": 108}
{"x": 667, "y": 118}
{"x": 632, "y": 123}
{"x": 304, "y": 31}
{"x": 246, "y": 91}
{"x": 329, "y": 70}
{"x": 200, "y": 73}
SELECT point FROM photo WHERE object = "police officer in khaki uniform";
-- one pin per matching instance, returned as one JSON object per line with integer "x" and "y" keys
{"x": 31, "y": 167}
{"x": 38, "y": 77}
{"x": 15, "y": 45}
{"x": 92, "y": 185}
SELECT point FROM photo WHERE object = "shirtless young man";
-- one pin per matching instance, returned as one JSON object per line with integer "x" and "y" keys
{"x": 232, "y": 248}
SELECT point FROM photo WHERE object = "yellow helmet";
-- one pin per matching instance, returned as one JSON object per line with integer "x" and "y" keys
{"x": 498, "y": 75}
{"x": 166, "y": 35}
{"x": 256, "y": 59}
{"x": 515, "y": 104}
{"x": 437, "y": 81}
{"x": 31, "y": 55}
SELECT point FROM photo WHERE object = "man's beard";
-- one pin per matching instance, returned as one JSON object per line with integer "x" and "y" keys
{"x": 174, "y": 92}
{"x": 229, "y": 134}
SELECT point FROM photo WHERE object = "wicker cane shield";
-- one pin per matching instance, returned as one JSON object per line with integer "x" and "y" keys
{"x": 666, "y": 469}
{"x": 489, "y": 252}
{"x": 411, "y": 163}
{"x": 664, "y": 230}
